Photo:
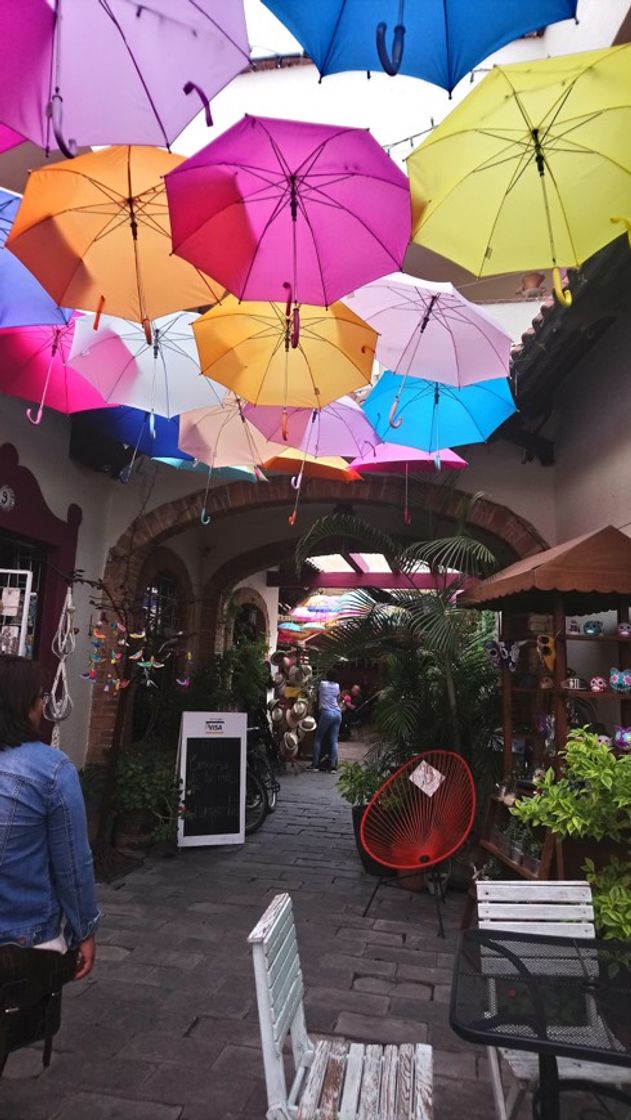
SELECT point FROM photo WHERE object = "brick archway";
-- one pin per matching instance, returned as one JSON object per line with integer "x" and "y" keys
{"x": 225, "y": 602}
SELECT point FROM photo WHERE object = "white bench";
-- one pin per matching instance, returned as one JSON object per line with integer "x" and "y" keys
{"x": 558, "y": 909}
{"x": 333, "y": 1079}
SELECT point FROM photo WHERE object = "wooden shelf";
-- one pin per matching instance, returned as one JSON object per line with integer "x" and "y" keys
{"x": 500, "y": 855}
{"x": 608, "y": 695}
{"x": 593, "y": 638}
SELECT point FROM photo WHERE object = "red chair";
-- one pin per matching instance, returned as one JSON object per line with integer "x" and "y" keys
{"x": 409, "y": 829}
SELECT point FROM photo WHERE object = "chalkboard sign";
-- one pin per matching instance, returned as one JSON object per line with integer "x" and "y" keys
{"x": 212, "y": 768}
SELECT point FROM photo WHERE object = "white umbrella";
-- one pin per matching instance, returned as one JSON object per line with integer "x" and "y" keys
{"x": 163, "y": 377}
{"x": 222, "y": 437}
{"x": 431, "y": 331}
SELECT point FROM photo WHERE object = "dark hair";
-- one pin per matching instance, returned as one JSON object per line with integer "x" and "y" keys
{"x": 331, "y": 675}
{"x": 20, "y": 686}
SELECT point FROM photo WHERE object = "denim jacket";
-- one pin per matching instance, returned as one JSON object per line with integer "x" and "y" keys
{"x": 45, "y": 859}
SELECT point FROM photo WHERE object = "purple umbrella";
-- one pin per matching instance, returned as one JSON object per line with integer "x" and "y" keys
{"x": 340, "y": 428}
{"x": 77, "y": 72}
{"x": 431, "y": 331}
{"x": 285, "y": 210}
{"x": 23, "y": 301}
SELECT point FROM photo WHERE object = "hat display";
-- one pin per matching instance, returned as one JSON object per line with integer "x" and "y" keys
{"x": 307, "y": 724}
{"x": 290, "y": 743}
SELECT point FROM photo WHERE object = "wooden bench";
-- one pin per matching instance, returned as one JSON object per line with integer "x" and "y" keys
{"x": 559, "y": 909}
{"x": 333, "y": 1079}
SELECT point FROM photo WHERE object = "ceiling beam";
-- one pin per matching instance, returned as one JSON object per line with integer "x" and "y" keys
{"x": 421, "y": 581}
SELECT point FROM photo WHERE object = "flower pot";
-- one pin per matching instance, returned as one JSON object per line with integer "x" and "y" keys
{"x": 369, "y": 864}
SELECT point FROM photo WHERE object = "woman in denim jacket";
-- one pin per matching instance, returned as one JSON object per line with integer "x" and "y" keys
{"x": 47, "y": 892}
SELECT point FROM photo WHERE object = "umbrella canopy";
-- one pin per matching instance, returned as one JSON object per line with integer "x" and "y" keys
{"x": 95, "y": 231}
{"x": 33, "y": 366}
{"x": 220, "y": 474}
{"x": 9, "y": 138}
{"x": 222, "y": 437}
{"x": 162, "y": 377}
{"x": 291, "y": 461}
{"x": 23, "y": 301}
{"x": 267, "y": 207}
{"x": 430, "y": 330}
{"x": 249, "y": 348}
{"x": 341, "y": 428}
{"x": 149, "y": 434}
{"x": 388, "y": 458}
{"x": 532, "y": 169}
{"x": 93, "y": 72}
{"x": 438, "y": 40}
{"x": 427, "y": 415}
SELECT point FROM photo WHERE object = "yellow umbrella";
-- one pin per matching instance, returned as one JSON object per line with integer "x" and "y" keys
{"x": 532, "y": 170}
{"x": 95, "y": 231}
{"x": 254, "y": 349}
{"x": 301, "y": 465}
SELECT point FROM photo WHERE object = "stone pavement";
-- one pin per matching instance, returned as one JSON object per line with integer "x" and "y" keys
{"x": 165, "y": 1028}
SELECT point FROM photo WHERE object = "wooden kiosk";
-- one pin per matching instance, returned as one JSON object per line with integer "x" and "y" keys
{"x": 548, "y": 596}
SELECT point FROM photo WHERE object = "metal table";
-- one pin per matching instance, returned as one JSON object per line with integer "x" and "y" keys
{"x": 556, "y": 996}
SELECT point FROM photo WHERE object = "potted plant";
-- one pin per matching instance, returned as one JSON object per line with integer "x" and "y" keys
{"x": 147, "y": 801}
{"x": 357, "y": 782}
{"x": 589, "y": 808}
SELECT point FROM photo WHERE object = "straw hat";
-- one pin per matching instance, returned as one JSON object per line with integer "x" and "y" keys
{"x": 292, "y": 719}
{"x": 308, "y": 724}
{"x": 277, "y": 657}
{"x": 277, "y": 713}
{"x": 301, "y": 708}
{"x": 290, "y": 743}
{"x": 278, "y": 678}
{"x": 295, "y": 674}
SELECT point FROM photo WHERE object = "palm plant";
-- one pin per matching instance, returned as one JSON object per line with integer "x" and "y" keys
{"x": 439, "y": 688}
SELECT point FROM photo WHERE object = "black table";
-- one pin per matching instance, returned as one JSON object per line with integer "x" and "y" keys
{"x": 556, "y": 996}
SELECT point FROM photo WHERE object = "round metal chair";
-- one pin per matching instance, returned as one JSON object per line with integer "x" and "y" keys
{"x": 420, "y": 817}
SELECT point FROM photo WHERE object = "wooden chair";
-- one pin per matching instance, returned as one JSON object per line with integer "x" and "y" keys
{"x": 559, "y": 909}
{"x": 333, "y": 1079}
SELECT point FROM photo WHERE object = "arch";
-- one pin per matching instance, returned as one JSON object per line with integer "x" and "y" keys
{"x": 240, "y": 597}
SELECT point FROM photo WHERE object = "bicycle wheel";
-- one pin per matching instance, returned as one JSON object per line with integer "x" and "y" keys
{"x": 266, "y": 774}
{"x": 255, "y": 802}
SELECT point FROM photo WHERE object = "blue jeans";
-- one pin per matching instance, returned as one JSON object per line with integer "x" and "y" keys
{"x": 328, "y": 724}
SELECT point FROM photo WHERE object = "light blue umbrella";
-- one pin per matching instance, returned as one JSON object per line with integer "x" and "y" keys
{"x": 429, "y": 416}
{"x": 23, "y": 301}
{"x": 220, "y": 474}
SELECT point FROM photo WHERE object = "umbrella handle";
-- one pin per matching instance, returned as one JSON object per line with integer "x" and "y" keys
{"x": 289, "y": 299}
{"x": 295, "y": 330}
{"x": 37, "y": 418}
{"x": 563, "y": 295}
{"x": 191, "y": 87}
{"x": 125, "y": 474}
{"x": 295, "y": 481}
{"x": 392, "y": 423}
{"x": 392, "y": 65}
{"x": 205, "y": 517}
{"x": 283, "y": 426}
{"x": 54, "y": 110}
{"x": 291, "y": 520}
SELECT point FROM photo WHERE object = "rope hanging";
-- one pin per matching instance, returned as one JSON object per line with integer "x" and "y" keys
{"x": 59, "y": 703}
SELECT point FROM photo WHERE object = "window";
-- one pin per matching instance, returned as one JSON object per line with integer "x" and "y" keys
{"x": 162, "y": 607}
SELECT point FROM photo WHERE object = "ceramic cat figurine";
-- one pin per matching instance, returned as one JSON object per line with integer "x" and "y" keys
{"x": 622, "y": 739}
{"x": 620, "y": 680}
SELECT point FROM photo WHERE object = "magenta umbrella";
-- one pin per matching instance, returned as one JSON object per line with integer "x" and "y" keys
{"x": 77, "y": 72}
{"x": 9, "y": 138}
{"x": 291, "y": 211}
{"x": 390, "y": 458}
{"x": 33, "y": 366}
{"x": 340, "y": 428}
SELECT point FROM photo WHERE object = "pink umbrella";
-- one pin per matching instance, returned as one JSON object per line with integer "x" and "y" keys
{"x": 113, "y": 72}
{"x": 287, "y": 210}
{"x": 340, "y": 428}
{"x": 9, "y": 138}
{"x": 431, "y": 331}
{"x": 33, "y": 366}
{"x": 390, "y": 458}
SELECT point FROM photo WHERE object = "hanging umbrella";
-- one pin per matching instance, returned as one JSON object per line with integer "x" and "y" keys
{"x": 95, "y": 231}
{"x": 220, "y": 474}
{"x": 9, "y": 138}
{"x": 23, "y": 301}
{"x": 33, "y": 366}
{"x": 427, "y": 415}
{"x": 83, "y": 72}
{"x": 249, "y": 348}
{"x": 389, "y": 458}
{"x": 148, "y": 433}
{"x": 341, "y": 428}
{"x": 430, "y": 330}
{"x": 532, "y": 170}
{"x": 162, "y": 377}
{"x": 438, "y": 40}
{"x": 291, "y": 461}
{"x": 279, "y": 209}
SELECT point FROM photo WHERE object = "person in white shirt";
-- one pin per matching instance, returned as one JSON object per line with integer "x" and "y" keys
{"x": 329, "y": 719}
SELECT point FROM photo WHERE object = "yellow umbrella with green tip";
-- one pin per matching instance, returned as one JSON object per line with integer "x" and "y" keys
{"x": 532, "y": 170}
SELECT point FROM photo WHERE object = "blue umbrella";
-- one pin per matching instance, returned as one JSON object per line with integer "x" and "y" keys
{"x": 428, "y": 415}
{"x": 146, "y": 432}
{"x": 438, "y": 40}
{"x": 23, "y": 301}
{"x": 223, "y": 474}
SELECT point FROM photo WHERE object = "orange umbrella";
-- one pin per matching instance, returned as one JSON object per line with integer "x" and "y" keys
{"x": 296, "y": 463}
{"x": 95, "y": 231}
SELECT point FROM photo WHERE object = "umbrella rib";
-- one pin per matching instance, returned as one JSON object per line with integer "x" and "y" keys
{"x": 221, "y": 30}
{"x": 106, "y": 8}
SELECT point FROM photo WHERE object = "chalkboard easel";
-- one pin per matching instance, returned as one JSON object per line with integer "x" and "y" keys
{"x": 212, "y": 763}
